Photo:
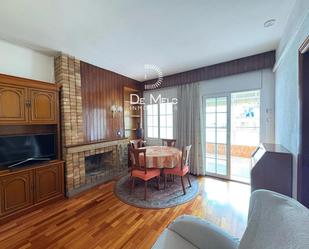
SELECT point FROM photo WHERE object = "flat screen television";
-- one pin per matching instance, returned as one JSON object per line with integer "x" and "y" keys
{"x": 17, "y": 151}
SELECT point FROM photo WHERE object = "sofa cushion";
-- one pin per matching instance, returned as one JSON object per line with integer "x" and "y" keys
{"x": 171, "y": 240}
{"x": 275, "y": 221}
{"x": 203, "y": 234}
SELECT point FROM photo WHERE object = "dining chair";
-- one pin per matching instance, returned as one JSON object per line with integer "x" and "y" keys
{"x": 137, "y": 143}
{"x": 139, "y": 169}
{"x": 169, "y": 142}
{"x": 182, "y": 169}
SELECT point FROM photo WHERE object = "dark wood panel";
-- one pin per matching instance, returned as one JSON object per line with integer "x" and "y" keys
{"x": 27, "y": 129}
{"x": 100, "y": 90}
{"x": 242, "y": 65}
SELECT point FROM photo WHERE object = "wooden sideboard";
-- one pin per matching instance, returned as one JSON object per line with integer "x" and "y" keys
{"x": 29, "y": 107}
{"x": 26, "y": 189}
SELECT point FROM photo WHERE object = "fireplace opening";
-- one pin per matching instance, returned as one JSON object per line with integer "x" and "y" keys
{"x": 99, "y": 163}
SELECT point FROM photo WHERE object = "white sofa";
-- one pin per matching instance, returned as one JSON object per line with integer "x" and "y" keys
{"x": 275, "y": 221}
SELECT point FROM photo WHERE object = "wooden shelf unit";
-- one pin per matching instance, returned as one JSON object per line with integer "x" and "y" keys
{"x": 29, "y": 107}
{"x": 133, "y": 113}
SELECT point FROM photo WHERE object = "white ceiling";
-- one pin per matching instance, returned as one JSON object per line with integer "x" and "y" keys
{"x": 124, "y": 35}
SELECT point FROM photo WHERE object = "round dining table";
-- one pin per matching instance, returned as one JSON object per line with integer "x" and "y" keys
{"x": 161, "y": 157}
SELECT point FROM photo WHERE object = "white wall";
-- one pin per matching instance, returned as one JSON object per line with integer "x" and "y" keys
{"x": 287, "y": 99}
{"x": 261, "y": 79}
{"x": 24, "y": 62}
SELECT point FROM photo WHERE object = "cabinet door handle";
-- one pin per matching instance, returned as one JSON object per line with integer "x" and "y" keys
{"x": 28, "y": 103}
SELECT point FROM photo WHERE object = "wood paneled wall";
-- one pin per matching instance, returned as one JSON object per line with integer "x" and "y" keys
{"x": 242, "y": 65}
{"x": 100, "y": 90}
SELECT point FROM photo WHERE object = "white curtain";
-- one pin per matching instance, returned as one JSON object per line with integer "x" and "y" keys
{"x": 189, "y": 113}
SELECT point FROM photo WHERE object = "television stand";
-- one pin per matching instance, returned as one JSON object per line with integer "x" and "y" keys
{"x": 29, "y": 160}
{"x": 37, "y": 186}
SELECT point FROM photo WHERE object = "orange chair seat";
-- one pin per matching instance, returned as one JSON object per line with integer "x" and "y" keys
{"x": 151, "y": 173}
{"x": 177, "y": 171}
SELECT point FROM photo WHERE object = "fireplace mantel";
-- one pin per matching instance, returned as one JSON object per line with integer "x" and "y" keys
{"x": 94, "y": 145}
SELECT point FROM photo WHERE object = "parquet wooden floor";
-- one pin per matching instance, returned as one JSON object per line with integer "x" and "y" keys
{"x": 97, "y": 219}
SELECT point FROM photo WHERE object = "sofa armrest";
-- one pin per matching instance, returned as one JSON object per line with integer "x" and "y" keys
{"x": 203, "y": 234}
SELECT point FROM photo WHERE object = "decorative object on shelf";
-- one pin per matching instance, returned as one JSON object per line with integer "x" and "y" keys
{"x": 139, "y": 131}
{"x": 116, "y": 109}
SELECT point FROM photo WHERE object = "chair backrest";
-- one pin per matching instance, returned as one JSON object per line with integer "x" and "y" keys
{"x": 137, "y": 143}
{"x": 135, "y": 159}
{"x": 169, "y": 142}
{"x": 185, "y": 155}
{"x": 275, "y": 221}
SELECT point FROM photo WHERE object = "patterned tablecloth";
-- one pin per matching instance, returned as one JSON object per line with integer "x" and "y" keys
{"x": 161, "y": 157}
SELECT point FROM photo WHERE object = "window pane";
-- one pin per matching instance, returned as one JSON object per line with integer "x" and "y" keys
{"x": 169, "y": 121}
{"x": 155, "y": 132}
{"x": 221, "y": 136}
{"x": 149, "y": 132}
{"x": 211, "y": 105}
{"x": 210, "y": 119}
{"x": 149, "y": 109}
{"x": 155, "y": 109}
{"x": 211, "y": 150}
{"x": 169, "y": 133}
{"x": 166, "y": 120}
{"x": 221, "y": 119}
{"x": 210, "y": 165}
{"x": 210, "y": 135}
{"x": 155, "y": 120}
{"x": 162, "y": 108}
{"x": 222, "y": 104}
{"x": 149, "y": 121}
{"x": 221, "y": 167}
{"x": 163, "y": 132}
{"x": 221, "y": 150}
{"x": 163, "y": 121}
{"x": 169, "y": 108}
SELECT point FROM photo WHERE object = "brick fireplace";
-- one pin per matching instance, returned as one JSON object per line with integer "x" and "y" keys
{"x": 81, "y": 157}
{"x": 100, "y": 164}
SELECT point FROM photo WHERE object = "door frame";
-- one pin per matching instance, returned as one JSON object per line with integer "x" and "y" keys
{"x": 303, "y": 154}
{"x": 228, "y": 137}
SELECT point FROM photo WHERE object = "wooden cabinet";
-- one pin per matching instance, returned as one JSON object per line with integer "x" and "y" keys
{"x": 12, "y": 104}
{"x": 48, "y": 182}
{"x": 29, "y": 188}
{"x": 16, "y": 192}
{"x": 24, "y": 101}
{"x": 29, "y": 107}
{"x": 42, "y": 106}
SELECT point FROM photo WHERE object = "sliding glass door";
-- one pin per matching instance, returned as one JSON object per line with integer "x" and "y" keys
{"x": 245, "y": 132}
{"x": 232, "y": 132}
{"x": 216, "y": 135}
